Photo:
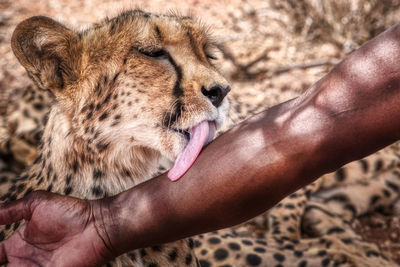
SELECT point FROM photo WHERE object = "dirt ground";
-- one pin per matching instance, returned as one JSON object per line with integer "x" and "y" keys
{"x": 271, "y": 52}
{"x": 382, "y": 230}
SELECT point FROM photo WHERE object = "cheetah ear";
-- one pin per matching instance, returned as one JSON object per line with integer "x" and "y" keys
{"x": 49, "y": 52}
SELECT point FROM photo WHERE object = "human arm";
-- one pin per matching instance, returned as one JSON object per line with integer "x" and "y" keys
{"x": 351, "y": 112}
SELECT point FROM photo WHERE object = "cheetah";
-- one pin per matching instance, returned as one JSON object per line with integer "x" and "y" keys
{"x": 22, "y": 127}
{"x": 128, "y": 92}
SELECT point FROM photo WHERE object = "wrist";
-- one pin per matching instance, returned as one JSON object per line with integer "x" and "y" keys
{"x": 105, "y": 227}
{"x": 122, "y": 221}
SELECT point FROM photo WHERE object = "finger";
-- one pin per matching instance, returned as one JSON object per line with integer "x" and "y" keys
{"x": 15, "y": 211}
{"x": 15, "y": 250}
{"x": 3, "y": 254}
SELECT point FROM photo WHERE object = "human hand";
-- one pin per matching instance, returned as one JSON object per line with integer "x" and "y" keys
{"x": 59, "y": 231}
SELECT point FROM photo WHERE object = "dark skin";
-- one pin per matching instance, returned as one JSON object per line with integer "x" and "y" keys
{"x": 350, "y": 113}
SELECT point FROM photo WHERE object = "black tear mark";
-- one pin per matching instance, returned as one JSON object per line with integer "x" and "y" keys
{"x": 177, "y": 91}
{"x": 158, "y": 32}
{"x": 170, "y": 118}
{"x": 115, "y": 78}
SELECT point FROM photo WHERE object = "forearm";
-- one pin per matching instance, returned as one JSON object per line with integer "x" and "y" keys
{"x": 351, "y": 112}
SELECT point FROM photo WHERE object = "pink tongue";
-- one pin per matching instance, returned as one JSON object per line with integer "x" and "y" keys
{"x": 200, "y": 135}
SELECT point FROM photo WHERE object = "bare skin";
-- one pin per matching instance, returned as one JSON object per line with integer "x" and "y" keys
{"x": 351, "y": 112}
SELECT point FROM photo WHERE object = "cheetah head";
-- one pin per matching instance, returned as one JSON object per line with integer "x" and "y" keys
{"x": 138, "y": 81}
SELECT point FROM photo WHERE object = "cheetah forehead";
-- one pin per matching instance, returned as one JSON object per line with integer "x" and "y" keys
{"x": 145, "y": 32}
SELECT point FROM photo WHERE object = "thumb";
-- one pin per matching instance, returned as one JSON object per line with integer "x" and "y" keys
{"x": 3, "y": 253}
{"x": 17, "y": 210}
{"x": 12, "y": 212}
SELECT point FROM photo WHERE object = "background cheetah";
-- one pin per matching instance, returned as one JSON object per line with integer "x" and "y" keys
{"x": 268, "y": 52}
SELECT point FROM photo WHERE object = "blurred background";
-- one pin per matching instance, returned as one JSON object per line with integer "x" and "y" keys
{"x": 271, "y": 51}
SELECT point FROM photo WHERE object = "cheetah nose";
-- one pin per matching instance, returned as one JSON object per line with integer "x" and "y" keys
{"x": 216, "y": 93}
